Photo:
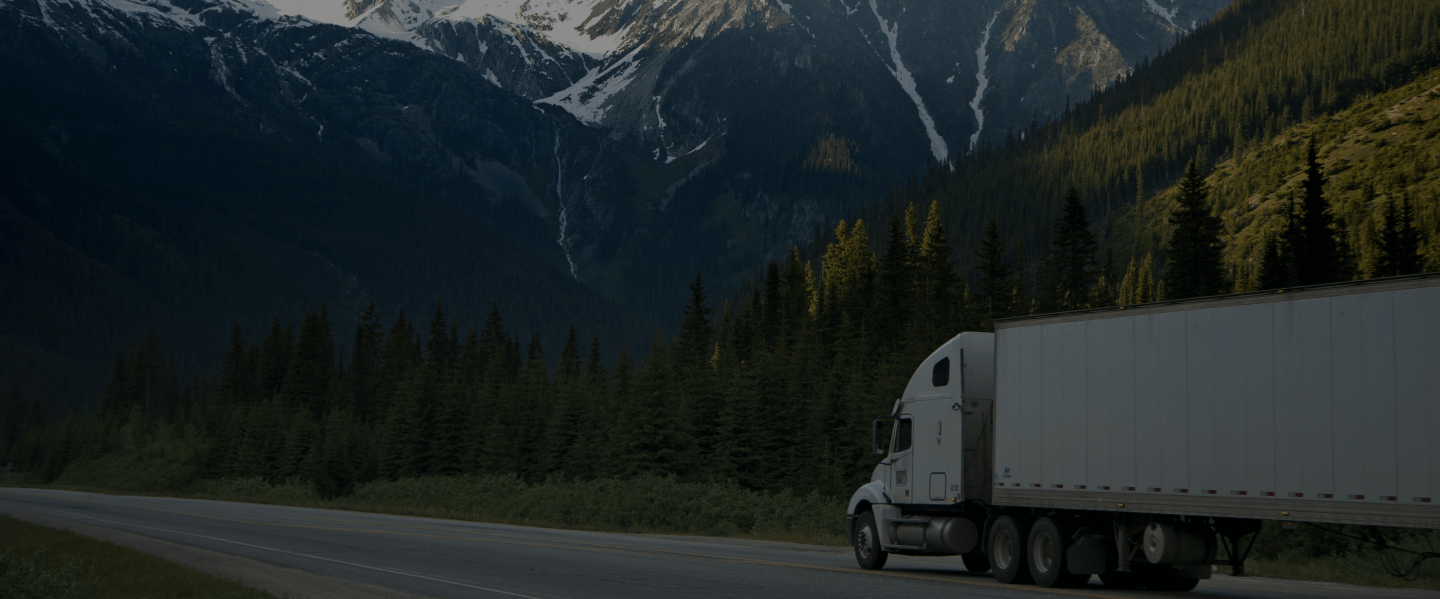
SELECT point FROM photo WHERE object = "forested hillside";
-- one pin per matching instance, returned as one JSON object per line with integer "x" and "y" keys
{"x": 1381, "y": 160}
{"x": 1258, "y": 69}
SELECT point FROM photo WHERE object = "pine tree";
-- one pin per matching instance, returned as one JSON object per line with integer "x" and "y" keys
{"x": 656, "y": 440}
{"x": 774, "y": 304}
{"x": 937, "y": 285}
{"x": 565, "y": 417}
{"x": 696, "y": 333}
{"x": 1195, "y": 267}
{"x": 441, "y": 348}
{"x": 1399, "y": 242}
{"x": 275, "y": 357}
{"x": 1274, "y": 268}
{"x": 1138, "y": 286}
{"x": 995, "y": 283}
{"x": 594, "y": 419}
{"x": 312, "y": 365}
{"x": 1074, "y": 249}
{"x": 1317, "y": 252}
{"x": 239, "y": 382}
{"x": 897, "y": 279}
{"x": 337, "y": 469}
{"x": 365, "y": 363}
{"x": 532, "y": 407}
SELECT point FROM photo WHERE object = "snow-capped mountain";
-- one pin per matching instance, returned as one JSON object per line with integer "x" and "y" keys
{"x": 972, "y": 69}
{"x": 626, "y": 142}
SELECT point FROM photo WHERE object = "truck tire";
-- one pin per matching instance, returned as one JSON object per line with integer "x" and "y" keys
{"x": 867, "y": 543}
{"x": 976, "y": 562}
{"x": 1007, "y": 549}
{"x": 1046, "y": 556}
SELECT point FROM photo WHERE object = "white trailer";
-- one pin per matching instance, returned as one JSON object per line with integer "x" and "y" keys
{"x": 1122, "y": 441}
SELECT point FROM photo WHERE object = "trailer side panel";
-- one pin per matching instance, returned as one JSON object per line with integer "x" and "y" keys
{"x": 1318, "y": 405}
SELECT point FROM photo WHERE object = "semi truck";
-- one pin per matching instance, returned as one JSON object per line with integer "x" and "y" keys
{"x": 1135, "y": 442}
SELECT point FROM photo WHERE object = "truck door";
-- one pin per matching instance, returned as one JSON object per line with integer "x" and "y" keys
{"x": 901, "y": 449}
{"x": 938, "y": 452}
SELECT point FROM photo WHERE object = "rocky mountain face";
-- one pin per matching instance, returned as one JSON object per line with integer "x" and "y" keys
{"x": 620, "y": 144}
{"x": 858, "y": 93}
{"x": 184, "y": 166}
{"x": 957, "y": 62}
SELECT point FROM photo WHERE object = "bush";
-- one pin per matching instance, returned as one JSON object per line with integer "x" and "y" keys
{"x": 36, "y": 576}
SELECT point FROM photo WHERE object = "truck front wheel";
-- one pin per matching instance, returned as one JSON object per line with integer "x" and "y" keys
{"x": 867, "y": 543}
{"x": 1007, "y": 549}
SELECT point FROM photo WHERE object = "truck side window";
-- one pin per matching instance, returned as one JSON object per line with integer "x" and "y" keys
{"x": 902, "y": 435}
{"x": 941, "y": 376}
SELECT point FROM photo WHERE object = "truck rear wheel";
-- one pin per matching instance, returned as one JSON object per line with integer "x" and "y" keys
{"x": 1047, "y": 556}
{"x": 1007, "y": 549}
{"x": 867, "y": 543}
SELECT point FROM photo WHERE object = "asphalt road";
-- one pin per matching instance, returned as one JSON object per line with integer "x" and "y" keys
{"x": 302, "y": 552}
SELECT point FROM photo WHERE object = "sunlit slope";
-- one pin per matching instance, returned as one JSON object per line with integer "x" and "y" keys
{"x": 1383, "y": 149}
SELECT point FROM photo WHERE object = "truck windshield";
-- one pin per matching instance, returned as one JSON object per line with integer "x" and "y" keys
{"x": 902, "y": 435}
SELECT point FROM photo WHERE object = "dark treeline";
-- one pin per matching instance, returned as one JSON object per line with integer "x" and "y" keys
{"x": 772, "y": 390}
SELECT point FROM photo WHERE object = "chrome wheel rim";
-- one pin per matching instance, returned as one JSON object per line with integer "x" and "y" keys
{"x": 1003, "y": 547}
{"x": 1043, "y": 554}
{"x": 863, "y": 543}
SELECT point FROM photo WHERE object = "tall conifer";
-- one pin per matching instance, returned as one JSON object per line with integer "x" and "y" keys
{"x": 1074, "y": 248}
{"x": 1195, "y": 266}
{"x": 995, "y": 283}
{"x": 1317, "y": 251}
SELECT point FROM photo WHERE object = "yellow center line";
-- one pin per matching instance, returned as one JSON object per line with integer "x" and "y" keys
{"x": 605, "y": 548}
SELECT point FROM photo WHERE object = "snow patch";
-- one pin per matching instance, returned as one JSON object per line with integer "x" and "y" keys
{"x": 950, "y": 80}
{"x": 785, "y": 7}
{"x": 490, "y": 76}
{"x": 982, "y": 82}
{"x": 586, "y": 98}
{"x": 907, "y": 82}
{"x": 1168, "y": 15}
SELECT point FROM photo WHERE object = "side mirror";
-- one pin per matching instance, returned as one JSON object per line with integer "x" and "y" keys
{"x": 877, "y": 433}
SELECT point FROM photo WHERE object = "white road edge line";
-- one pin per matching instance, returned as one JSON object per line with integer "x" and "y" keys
{"x": 378, "y": 569}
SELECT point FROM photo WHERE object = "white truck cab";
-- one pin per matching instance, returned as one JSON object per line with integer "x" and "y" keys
{"x": 926, "y": 497}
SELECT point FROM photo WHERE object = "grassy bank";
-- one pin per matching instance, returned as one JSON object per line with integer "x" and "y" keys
{"x": 42, "y": 563}
{"x": 1356, "y": 569}
{"x": 640, "y": 505}
{"x": 1311, "y": 553}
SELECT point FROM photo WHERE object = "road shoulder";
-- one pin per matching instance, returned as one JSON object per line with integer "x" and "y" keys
{"x": 276, "y": 580}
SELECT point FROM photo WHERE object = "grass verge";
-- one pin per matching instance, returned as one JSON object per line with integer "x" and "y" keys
{"x": 37, "y": 562}
{"x": 639, "y": 505}
{"x": 1363, "y": 570}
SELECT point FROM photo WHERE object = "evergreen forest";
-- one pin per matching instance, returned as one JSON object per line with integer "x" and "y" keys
{"x": 1280, "y": 145}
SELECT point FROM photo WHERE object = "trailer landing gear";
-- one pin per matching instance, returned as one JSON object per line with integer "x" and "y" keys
{"x": 1232, "y": 534}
